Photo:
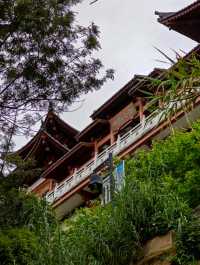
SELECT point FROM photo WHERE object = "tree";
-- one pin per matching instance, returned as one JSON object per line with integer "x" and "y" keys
{"x": 28, "y": 227}
{"x": 178, "y": 86}
{"x": 44, "y": 56}
{"x": 94, "y": 1}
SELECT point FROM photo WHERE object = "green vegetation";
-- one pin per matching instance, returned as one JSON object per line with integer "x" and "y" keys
{"x": 27, "y": 224}
{"x": 160, "y": 192}
{"x": 178, "y": 85}
{"x": 188, "y": 243}
{"x": 45, "y": 56}
{"x": 161, "y": 189}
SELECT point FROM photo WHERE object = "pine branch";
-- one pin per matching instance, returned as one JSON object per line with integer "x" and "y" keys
{"x": 93, "y": 2}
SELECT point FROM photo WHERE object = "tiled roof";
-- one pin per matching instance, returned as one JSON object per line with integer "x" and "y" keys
{"x": 166, "y": 17}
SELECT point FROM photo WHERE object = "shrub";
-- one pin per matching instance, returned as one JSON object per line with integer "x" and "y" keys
{"x": 18, "y": 246}
{"x": 161, "y": 188}
{"x": 115, "y": 233}
{"x": 188, "y": 243}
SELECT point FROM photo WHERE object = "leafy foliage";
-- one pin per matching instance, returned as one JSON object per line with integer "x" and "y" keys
{"x": 114, "y": 234}
{"x": 179, "y": 85}
{"x": 44, "y": 56}
{"x": 160, "y": 190}
{"x": 27, "y": 223}
{"x": 175, "y": 162}
{"x": 188, "y": 243}
{"x": 18, "y": 246}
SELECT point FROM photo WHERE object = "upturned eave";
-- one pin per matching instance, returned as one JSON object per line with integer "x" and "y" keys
{"x": 186, "y": 21}
{"x": 68, "y": 156}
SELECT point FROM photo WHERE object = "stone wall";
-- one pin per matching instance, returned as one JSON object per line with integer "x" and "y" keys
{"x": 158, "y": 250}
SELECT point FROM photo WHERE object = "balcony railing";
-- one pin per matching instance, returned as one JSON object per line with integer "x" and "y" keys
{"x": 37, "y": 183}
{"x": 121, "y": 144}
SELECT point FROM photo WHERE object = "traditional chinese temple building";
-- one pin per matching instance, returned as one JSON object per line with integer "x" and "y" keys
{"x": 122, "y": 125}
{"x": 186, "y": 21}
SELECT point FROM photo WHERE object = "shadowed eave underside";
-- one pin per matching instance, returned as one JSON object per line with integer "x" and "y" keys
{"x": 70, "y": 132}
{"x": 186, "y": 21}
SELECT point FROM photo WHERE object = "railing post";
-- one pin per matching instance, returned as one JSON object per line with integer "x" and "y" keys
{"x": 112, "y": 180}
{"x": 107, "y": 152}
{"x": 143, "y": 121}
{"x": 74, "y": 177}
{"x": 95, "y": 160}
{"x": 55, "y": 191}
{"x": 118, "y": 143}
{"x": 121, "y": 143}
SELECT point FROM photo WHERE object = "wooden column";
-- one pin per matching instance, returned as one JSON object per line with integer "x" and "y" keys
{"x": 52, "y": 184}
{"x": 141, "y": 108}
{"x": 95, "y": 145}
{"x": 112, "y": 137}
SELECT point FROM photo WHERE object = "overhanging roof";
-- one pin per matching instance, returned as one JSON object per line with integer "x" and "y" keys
{"x": 159, "y": 73}
{"x": 73, "y": 132}
{"x": 186, "y": 21}
{"x": 50, "y": 139}
{"x": 153, "y": 74}
{"x": 117, "y": 99}
{"x": 75, "y": 150}
{"x": 27, "y": 149}
{"x": 195, "y": 50}
{"x": 22, "y": 152}
{"x": 93, "y": 128}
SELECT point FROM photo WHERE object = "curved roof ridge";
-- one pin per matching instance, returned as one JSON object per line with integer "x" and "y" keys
{"x": 56, "y": 141}
{"x": 165, "y": 17}
{"x": 28, "y": 146}
{"x": 38, "y": 141}
{"x": 61, "y": 121}
{"x": 121, "y": 91}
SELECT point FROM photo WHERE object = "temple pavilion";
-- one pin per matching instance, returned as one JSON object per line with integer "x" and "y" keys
{"x": 122, "y": 125}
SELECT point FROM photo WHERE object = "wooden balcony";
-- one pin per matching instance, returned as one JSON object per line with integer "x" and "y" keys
{"x": 119, "y": 146}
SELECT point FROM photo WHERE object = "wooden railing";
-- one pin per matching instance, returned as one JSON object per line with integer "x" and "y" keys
{"x": 121, "y": 144}
{"x": 37, "y": 183}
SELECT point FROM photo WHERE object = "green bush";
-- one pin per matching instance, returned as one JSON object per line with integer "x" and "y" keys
{"x": 188, "y": 243}
{"x": 161, "y": 188}
{"x": 18, "y": 246}
{"x": 174, "y": 162}
{"x": 117, "y": 232}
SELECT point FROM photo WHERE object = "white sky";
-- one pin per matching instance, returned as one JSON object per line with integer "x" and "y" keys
{"x": 129, "y": 33}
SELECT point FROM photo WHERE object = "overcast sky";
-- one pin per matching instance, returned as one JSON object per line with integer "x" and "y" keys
{"x": 129, "y": 33}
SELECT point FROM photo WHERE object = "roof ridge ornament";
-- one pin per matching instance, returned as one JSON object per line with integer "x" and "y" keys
{"x": 51, "y": 107}
{"x": 43, "y": 125}
{"x": 163, "y": 15}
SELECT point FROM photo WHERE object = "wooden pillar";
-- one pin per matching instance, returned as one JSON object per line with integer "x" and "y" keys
{"x": 141, "y": 109}
{"x": 51, "y": 186}
{"x": 95, "y": 147}
{"x": 112, "y": 137}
